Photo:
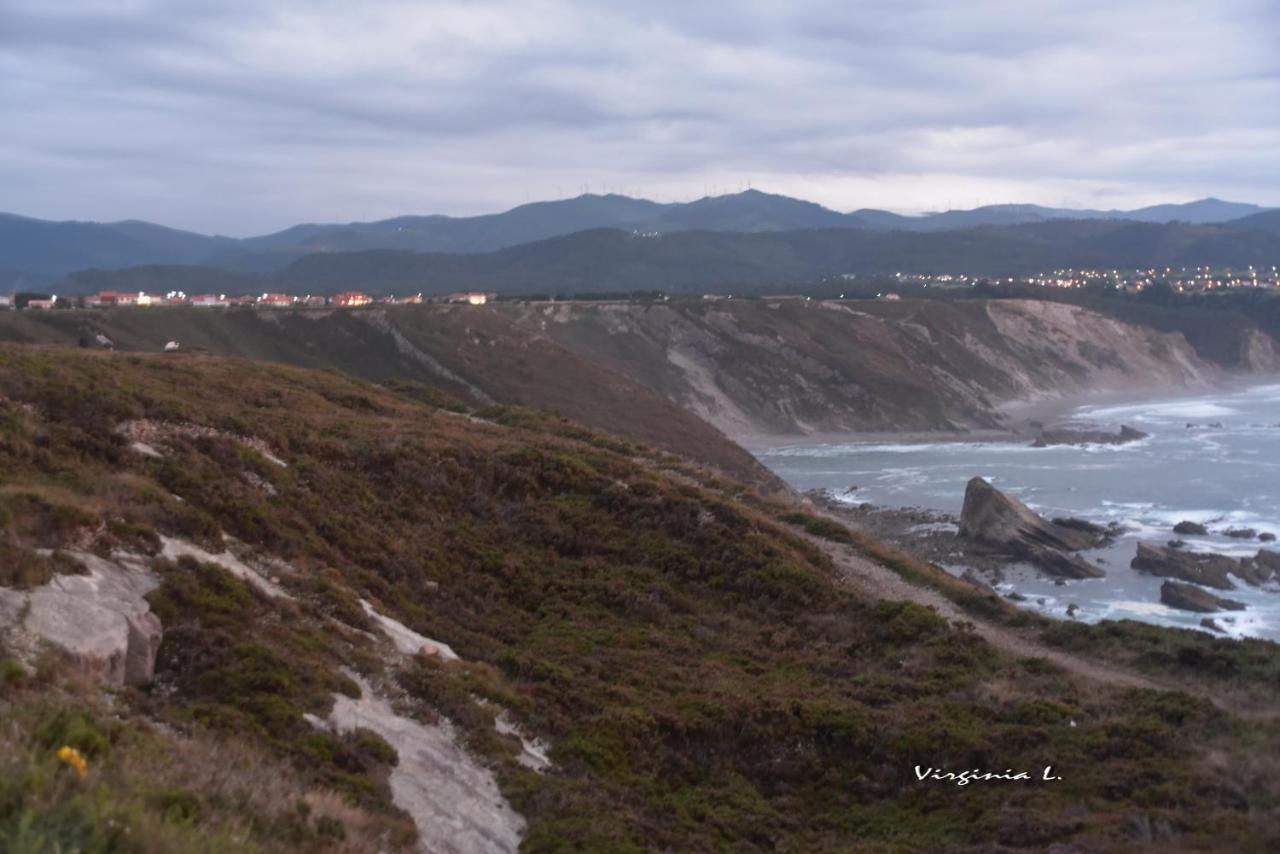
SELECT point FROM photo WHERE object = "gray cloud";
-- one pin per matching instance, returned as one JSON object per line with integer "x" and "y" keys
{"x": 240, "y": 116}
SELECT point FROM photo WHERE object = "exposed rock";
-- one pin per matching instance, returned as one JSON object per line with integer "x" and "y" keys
{"x": 1212, "y": 625}
{"x": 1203, "y": 569}
{"x": 453, "y": 799}
{"x": 405, "y": 639}
{"x": 1241, "y": 533}
{"x": 1190, "y": 529}
{"x": 1066, "y": 436}
{"x": 173, "y": 548}
{"x": 971, "y": 578}
{"x": 997, "y": 523}
{"x": 1267, "y": 537}
{"x": 1188, "y": 597}
{"x": 100, "y": 619}
{"x": 1260, "y": 568}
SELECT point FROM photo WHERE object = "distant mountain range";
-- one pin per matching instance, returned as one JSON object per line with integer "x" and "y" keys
{"x": 613, "y": 260}
{"x": 37, "y": 251}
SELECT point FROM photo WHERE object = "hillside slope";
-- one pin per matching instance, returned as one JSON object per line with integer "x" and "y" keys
{"x": 796, "y": 367}
{"x": 682, "y": 374}
{"x": 476, "y": 355}
{"x": 360, "y": 622}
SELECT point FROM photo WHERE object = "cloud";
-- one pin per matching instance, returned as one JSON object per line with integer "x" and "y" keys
{"x": 240, "y": 116}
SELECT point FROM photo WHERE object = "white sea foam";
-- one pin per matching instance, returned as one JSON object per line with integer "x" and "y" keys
{"x": 1197, "y": 408}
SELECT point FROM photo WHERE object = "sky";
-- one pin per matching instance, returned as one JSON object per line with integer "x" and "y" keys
{"x": 246, "y": 116}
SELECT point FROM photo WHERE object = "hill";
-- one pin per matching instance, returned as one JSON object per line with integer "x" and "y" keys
{"x": 477, "y": 357}
{"x": 32, "y": 248}
{"x": 39, "y": 247}
{"x": 351, "y": 612}
{"x": 663, "y": 373}
{"x": 720, "y": 262}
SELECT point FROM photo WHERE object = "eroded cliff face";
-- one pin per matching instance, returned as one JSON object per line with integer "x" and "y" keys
{"x": 749, "y": 367}
{"x": 772, "y": 367}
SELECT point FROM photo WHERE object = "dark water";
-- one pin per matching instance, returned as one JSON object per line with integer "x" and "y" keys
{"x": 1213, "y": 459}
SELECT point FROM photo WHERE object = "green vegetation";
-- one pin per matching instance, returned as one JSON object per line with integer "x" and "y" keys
{"x": 704, "y": 682}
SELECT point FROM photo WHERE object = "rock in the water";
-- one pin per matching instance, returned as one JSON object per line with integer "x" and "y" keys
{"x": 1241, "y": 533}
{"x": 1260, "y": 568}
{"x": 1188, "y": 597}
{"x": 100, "y": 619}
{"x": 1212, "y": 625}
{"x": 1190, "y": 529}
{"x": 1267, "y": 537}
{"x": 1204, "y": 569}
{"x": 1001, "y": 524}
{"x": 1065, "y": 436}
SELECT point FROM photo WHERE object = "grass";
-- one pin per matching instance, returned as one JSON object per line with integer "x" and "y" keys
{"x": 703, "y": 682}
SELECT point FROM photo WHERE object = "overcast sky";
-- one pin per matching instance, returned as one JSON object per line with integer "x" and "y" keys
{"x": 244, "y": 116}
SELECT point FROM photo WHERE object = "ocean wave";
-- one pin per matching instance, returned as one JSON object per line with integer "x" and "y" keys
{"x": 1197, "y": 408}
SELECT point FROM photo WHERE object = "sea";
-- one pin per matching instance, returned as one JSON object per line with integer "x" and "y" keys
{"x": 1212, "y": 458}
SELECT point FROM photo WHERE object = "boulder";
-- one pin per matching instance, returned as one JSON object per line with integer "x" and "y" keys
{"x": 1188, "y": 597}
{"x": 1203, "y": 569}
{"x": 1267, "y": 537}
{"x": 1066, "y": 436}
{"x": 1190, "y": 529}
{"x": 1241, "y": 533}
{"x": 1212, "y": 625}
{"x": 99, "y": 619}
{"x": 996, "y": 523}
{"x": 1261, "y": 568}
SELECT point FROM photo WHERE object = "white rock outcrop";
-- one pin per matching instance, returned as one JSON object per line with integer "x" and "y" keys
{"x": 406, "y": 640}
{"x": 100, "y": 619}
{"x": 173, "y": 548}
{"x": 454, "y": 800}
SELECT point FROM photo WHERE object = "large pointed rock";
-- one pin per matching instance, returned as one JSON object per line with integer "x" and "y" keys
{"x": 1001, "y": 524}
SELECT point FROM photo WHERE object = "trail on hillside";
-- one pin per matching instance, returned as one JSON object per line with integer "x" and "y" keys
{"x": 880, "y": 582}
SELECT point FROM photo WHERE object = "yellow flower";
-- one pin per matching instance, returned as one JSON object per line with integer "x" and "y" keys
{"x": 72, "y": 757}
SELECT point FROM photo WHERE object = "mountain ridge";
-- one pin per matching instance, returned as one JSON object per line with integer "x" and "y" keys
{"x": 42, "y": 248}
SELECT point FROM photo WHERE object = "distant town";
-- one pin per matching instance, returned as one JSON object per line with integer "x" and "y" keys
{"x": 1182, "y": 279}
{"x": 117, "y": 299}
{"x": 1179, "y": 279}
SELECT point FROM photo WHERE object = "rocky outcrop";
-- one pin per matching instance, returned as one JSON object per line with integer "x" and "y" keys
{"x": 453, "y": 799}
{"x": 1064, "y": 436}
{"x": 99, "y": 619}
{"x": 1207, "y": 570}
{"x": 1261, "y": 568}
{"x": 1188, "y": 597}
{"x": 1190, "y": 529}
{"x": 995, "y": 523}
{"x": 762, "y": 367}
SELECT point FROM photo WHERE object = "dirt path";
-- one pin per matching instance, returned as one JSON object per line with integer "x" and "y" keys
{"x": 880, "y": 582}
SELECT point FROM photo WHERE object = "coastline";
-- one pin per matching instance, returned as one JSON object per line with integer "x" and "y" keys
{"x": 1048, "y": 410}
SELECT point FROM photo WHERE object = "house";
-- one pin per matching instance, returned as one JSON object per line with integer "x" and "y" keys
{"x": 890, "y": 297}
{"x": 209, "y": 301}
{"x": 468, "y": 297}
{"x": 102, "y": 299}
{"x": 351, "y": 299}
{"x": 6, "y": 302}
{"x": 275, "y": 301}
{"x": 313, "y": 301}
{"x": 42, "y": 304}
